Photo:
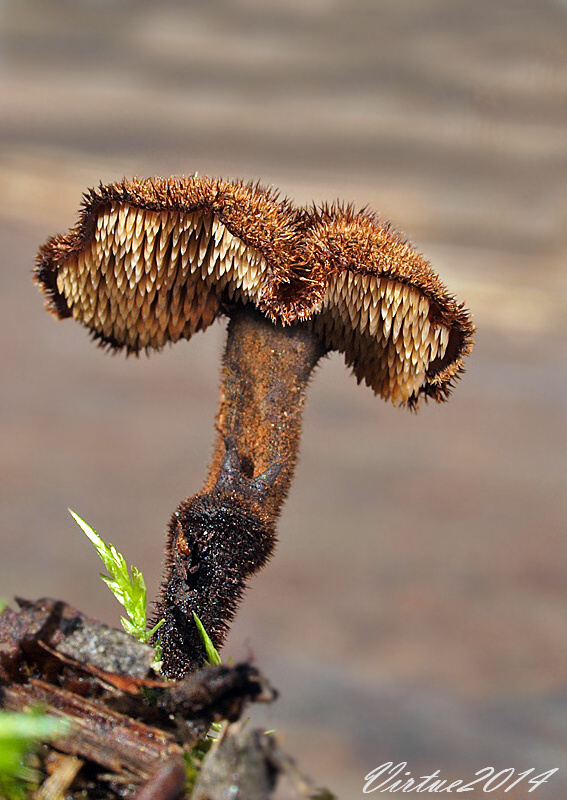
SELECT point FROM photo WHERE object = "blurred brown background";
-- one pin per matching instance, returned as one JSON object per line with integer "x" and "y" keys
{"x": 416, "y": 608}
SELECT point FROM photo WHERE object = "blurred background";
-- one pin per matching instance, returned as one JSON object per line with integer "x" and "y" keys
{"x": 416, "y": 608}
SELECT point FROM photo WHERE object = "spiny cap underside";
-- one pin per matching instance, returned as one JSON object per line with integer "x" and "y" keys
{"x": 385, "y": 308}
{"x": 153, "y": 261}
{"x": 149, "y": 262}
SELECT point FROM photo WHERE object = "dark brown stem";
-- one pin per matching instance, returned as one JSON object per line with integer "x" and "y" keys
{"x": 224, "y": 534}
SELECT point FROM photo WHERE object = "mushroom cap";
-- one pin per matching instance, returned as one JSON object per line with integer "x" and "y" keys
{"x": 152, "y": 261}
{"x": 383, "y": 306}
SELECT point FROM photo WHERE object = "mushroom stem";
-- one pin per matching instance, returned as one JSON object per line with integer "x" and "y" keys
{"x": 221, "y": 536}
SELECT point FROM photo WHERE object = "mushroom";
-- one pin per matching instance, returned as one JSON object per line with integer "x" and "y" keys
{"x": 153, "y": 261}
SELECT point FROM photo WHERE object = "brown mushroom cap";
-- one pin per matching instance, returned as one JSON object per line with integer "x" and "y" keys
{"x": 153, "y": 261}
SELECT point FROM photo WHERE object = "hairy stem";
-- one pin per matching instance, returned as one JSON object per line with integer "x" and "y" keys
{"x": 221, "y": 536}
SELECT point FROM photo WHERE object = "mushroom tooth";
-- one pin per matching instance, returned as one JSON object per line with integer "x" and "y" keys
{"x": 156, "y": 261}
{"x": 365, "y": 283}
{"x": 123, "y": 223}
{"x": 203, "y": 245}
{"x": 149, "y": 243}
{"x": 175, "y": 303}
{"x": 176, "y": 325}
{"x": 206, "y": 221}
{"x": 354, "y": 313}
{"x": 130, "y": 264}
{"x": 363, "y": 322}
{"x": 174, "y": 259}
{"x": 138, "y": 271}
{"x": 395, "y": 395}
{"x": 205, "y": 263}
{"x": 96, "y": 270}
{"x": 96, "y": 247}
{"x": 132, "y": 319}
{"x": 407, "y": 336}
{"x": 102, "y": 315}
{"x": 224, "y": 262}
{"x": 68, "y": 287}
{"x": 228, "y": 245}
{"x": 216, "y": 229}
{"x": 330, "y": 290}
{"x": 140, "y": 297}
{"x": 161, "y": 303}
{"x": 143, "y": 339}
{"x": 154, "y": 328}
{"x": 341, "y": 285}
{"x": 416, "y": 340}
{"x": 383, "y": 361}
{"x": 397, "y": 322}
{"x": 140, "y": 232}
{"x": 128, "y": 305}
{"x": 396, "y": 304}
{"x": 163, "y": 243}
{"x": 189, "y": 246}
{"x": 121, "y": 279}
{"x": 423, "y": 348}
{"x": 244, "y": 264}
{"x": 255, "y": 279}
{"x": 424, "y": 306}
{"x": 385, "y": 293}
{"x": 177, "y": 230}
{"x": 118, "y": 252}
{"x": 330, "y": 296}
{"x": 388, "y": 319}
{"x": 137, "y": 231}
{"x": 145, "y": 309}
{"x": 119, "y": 330}
{"x": 192, "y": 222}
{"x": 150, "y": 284}
{"x": 414, "y": 358}
{"x": 399, "y": 364}
{"x": 443, "y": 340}
{"x": 373, "y": 319}
{"x": 349, "y": 286}
{"x": 154, "y": 219}
{"x": 136, "y": 246}
{"x": 408, "y": 350}
{"x": 232, "y": 271}
{"x": 434, "y": 346}
{"x": 386, "y": 288}
{"x": 203, "y": 248}
{"x": 213, "y": 267}
{"x": 424, "y": 329}
{"x": 100, "y": 226}
{"x": 182, "y": 276}
{"x": 368, "y": 312}
{"x": 110, "y": 218}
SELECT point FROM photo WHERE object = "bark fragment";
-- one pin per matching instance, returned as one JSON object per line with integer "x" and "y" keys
{"x": 130, "y": 728}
